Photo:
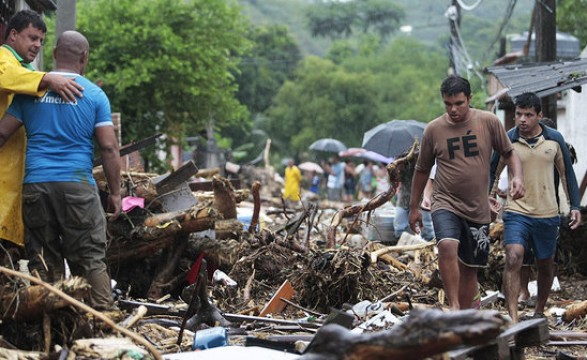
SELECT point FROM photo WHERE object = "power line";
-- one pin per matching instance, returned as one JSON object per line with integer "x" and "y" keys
{"x": 468, "y": 7}
{"x": 505, "y": 21}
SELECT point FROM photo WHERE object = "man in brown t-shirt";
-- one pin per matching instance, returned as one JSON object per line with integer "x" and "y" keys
{"x": 461, "y": 142}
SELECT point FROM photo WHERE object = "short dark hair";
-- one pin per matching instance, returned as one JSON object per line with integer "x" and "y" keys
{"x": 454, "y": 85}
{"x": 21, "y": 21}
{"x": 528, "y": 100}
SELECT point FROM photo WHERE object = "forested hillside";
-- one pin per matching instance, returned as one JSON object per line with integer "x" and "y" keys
{"x": 480, "y": 27}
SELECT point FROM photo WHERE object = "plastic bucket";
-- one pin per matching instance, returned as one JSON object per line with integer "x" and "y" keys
{"x": 210, "y": 338}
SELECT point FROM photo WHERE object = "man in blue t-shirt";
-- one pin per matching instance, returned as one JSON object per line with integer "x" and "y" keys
{"x": 62, "y": 212}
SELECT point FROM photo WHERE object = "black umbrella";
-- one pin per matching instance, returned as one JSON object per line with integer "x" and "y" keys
{"x": 394, "y": 137}
{"x": 328, "y": 145}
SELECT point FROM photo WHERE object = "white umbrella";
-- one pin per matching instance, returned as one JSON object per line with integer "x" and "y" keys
{"x": 311, "y": 166}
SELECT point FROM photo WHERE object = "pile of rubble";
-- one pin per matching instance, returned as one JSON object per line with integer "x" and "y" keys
{"x": 199, "y": 265}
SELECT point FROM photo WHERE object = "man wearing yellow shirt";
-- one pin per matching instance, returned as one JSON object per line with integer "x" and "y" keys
{"x": 23, "y": 40}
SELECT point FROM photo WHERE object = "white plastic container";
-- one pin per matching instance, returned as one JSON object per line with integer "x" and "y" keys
{"x": 380, "y": 227}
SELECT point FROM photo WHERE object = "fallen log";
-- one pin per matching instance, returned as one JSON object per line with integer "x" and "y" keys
{"x": 159, "y": 231}
{"x": 31, "y": 302}
{"x": 424, "y": 334}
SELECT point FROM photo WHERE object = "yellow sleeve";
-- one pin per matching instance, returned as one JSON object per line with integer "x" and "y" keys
{"x": 19, "y": 80}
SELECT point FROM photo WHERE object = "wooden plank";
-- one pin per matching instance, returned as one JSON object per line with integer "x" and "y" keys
{"x": 176, "y": 178}
{"x": 523, "y": 334}
{"x": 276, "y": 305}
{"x": 127, "y": 149}
{"x": 478, "y": 352}
{"x": 207, "y": 185}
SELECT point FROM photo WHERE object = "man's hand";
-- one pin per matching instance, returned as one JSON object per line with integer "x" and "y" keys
{"x": 495, "y": 207}
{"x": 114, "y": 207}
{"x": 415, "y": 219}
{"x": 426, "y": 203}
{"x": 66, "y": 87}
{"x": 517, "y": 189}
{"x": 575, "y": 219}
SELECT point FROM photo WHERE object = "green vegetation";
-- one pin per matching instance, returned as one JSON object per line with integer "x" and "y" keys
{"x": 251, "y": 70}
{"x": 571, "y": 18}
{"x": 166, "y": 66}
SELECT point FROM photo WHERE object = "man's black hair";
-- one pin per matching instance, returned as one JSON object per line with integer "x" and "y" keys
{"x": 454, "y": 85}
{"x": 21, "y": 21}
{"x": 528, "y": 100}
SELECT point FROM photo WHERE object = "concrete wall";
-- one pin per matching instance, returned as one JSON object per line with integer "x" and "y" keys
{"x": 574, "y": 128}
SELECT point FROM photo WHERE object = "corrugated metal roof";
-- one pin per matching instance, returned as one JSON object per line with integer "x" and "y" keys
{"x": 42, "y": 5}
{"x": 543, "y": 79}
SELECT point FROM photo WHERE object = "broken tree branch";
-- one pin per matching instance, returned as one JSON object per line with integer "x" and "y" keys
{"x": 388, "y": 249}
{"x": 375, "y": 202}
{"x": 88, "y": 309}
{"x": 256, "y": 207}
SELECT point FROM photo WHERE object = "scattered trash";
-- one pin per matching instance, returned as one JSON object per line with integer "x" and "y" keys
{"x": 210, "y": 338}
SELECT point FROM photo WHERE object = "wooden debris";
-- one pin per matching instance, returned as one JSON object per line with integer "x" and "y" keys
{"x": 276, "y": 304}
{"x": 575, "y": 311}
{"x": 86, "y": 308}
{"x": 176, "y": 178}
{"x": 426, "y": 333}
{"x": 398, "y": 248}
{"x": 224, "y": 199}
{"x": 106, "y": 348}
{"x": 31, "y": 302}
{"x": 256, "y": 207}
{"x": 136, "y": 315}
{"x": 375, "y": 202}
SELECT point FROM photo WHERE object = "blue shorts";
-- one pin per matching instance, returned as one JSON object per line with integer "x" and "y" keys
{"x": 538, "y": 234}
{"x": 473, "y": 238}
{"x": 529, "y": 257}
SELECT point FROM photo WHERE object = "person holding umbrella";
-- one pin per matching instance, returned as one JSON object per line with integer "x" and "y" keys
{"x": 461, "y": 142}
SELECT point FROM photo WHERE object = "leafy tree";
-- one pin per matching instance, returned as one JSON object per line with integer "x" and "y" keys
{"x": 571, "y": 18}
{"x": 167, "y": 66}
{"x": 271, "y": 61}
{"x": 335, "y": 19}
{"x": 344, "y": 101}
{"x": 321, "y": 101}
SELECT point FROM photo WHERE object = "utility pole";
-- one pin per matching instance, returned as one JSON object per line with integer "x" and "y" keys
{"x": 66, "y": 16}
{"x": 546, "y": 46}
{"x": 454, "y": 17}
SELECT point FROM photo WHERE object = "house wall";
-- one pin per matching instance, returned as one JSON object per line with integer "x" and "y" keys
{"x": 574, "y": 128}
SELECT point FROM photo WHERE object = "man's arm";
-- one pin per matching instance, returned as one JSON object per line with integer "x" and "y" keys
{"x": 516, "y": 187}
{"x": 66, "y": 87}
{"x": 427, "y": 196}
{"x": 418, "y": 183}
{"x": 8, "y": 125}
{"x": 111, "y": 163}
{"x": 19, "y": 80}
